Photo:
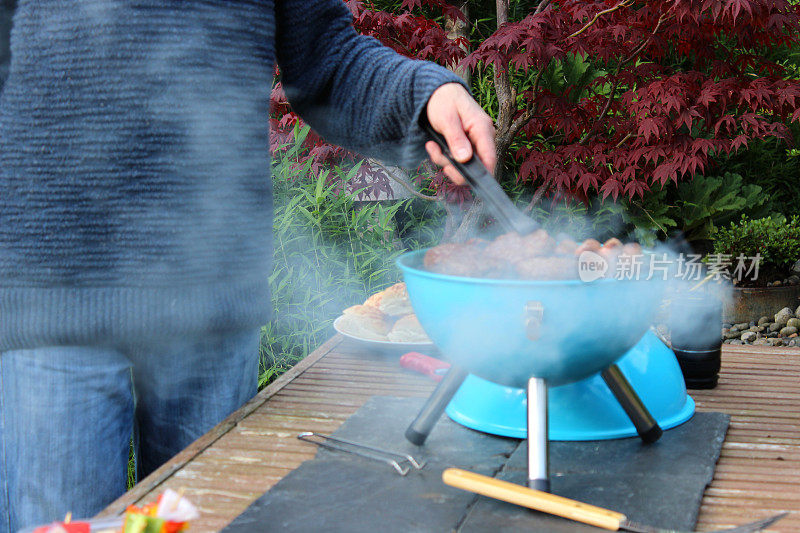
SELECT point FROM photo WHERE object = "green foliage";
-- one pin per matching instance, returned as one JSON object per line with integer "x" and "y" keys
{"x": 775, "y": 167}
{"x": 775, "y": 239}
{"x": 695, "y": 208}
{"x": 572, "y": 76}
{"x": 131, "y": 471}
{"x": 330, "y": 252}
{"x": 328, "y": 255}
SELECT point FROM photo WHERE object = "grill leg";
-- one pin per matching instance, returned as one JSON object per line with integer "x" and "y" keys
{"x": 538, "y": 470}
{"x": 646, "y": 426}
{"x": 432, "y": 411}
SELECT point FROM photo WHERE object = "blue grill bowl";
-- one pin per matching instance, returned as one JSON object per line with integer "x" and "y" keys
{"x": 480, "y": 324}
{"x": 584, "y": 410}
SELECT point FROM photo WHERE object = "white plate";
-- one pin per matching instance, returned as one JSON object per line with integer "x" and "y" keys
{"x": 385, "y": 346}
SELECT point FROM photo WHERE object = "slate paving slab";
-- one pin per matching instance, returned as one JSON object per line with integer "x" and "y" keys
{"x": 382, "y": 422}
{"x": 660, "y": 485}
{"x": 360, "y": 497}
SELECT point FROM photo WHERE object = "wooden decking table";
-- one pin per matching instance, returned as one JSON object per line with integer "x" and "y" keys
{"x": 758, "y": 473}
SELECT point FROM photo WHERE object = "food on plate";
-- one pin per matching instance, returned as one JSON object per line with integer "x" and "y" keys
{"x": 385, "y": 316}
{"x": 408, "y": 329}
{"x": 365, "y": 322}
{"x": 536, "y": 256}
{"x": 393, "y": 301}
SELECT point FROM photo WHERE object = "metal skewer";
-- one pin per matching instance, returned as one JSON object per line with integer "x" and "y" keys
{"x": 394, "y": 459}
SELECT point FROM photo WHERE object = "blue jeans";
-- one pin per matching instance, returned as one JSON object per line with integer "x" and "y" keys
{"x": 67, "y": 415}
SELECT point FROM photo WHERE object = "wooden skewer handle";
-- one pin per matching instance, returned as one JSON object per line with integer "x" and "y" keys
{"x": 534, "y": 499}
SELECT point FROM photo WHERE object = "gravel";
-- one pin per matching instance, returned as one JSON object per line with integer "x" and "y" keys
{"x": 783, "y": 329}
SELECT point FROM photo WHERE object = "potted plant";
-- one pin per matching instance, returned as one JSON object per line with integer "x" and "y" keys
{"x": 761, "y": 256}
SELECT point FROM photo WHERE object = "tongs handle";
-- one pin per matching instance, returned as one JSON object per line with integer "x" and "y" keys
{"x": 485, "y": 186}
{"x": 533, "y": 499}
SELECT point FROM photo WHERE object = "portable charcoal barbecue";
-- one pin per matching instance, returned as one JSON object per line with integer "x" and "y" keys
{"x": 484, "y": 326}
{"x": 524, "y": 333}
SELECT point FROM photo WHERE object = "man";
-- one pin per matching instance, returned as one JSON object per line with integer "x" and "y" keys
{"x": 135, "y": 216}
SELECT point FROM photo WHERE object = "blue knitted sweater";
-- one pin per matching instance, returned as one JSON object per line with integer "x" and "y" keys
{"x": 135, "y": 190}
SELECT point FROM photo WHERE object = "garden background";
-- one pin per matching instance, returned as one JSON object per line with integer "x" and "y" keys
{"x": 647, "y": 120}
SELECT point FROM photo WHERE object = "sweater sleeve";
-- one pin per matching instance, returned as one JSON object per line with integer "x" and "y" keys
{"x": 352, "y": 90}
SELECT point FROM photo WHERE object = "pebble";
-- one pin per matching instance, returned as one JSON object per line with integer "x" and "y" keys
{"x": 749, "y": 336}
{"x": 783, "y": 316}
{"x": 784, "y": 331}
{"x": 776, "y": 283}
{"x": 796, "y": 266}
{"x": 794, "y": 279}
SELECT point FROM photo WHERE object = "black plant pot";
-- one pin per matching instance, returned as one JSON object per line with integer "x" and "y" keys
{"x": 695, "y": 324}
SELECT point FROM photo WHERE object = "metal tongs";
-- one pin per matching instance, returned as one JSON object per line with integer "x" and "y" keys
{"x": 401, "y": 462}
{"x": 485, "y": 186}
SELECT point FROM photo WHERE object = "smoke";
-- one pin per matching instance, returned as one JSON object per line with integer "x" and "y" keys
{"x": 483, "y": 324}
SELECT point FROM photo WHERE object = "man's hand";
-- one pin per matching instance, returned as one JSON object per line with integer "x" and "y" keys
{"x": 453, "y": 113}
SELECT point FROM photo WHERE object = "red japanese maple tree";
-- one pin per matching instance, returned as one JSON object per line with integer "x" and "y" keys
{"x": 684, "y": 81}
{"x": 608, "y": 97}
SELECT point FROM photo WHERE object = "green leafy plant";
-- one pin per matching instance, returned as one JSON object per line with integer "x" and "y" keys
{"x": 330, "y": 252}
{"x": 695, "y": 208}
{"x": 774, "y": 167}
{"x": 775, "y": 239}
